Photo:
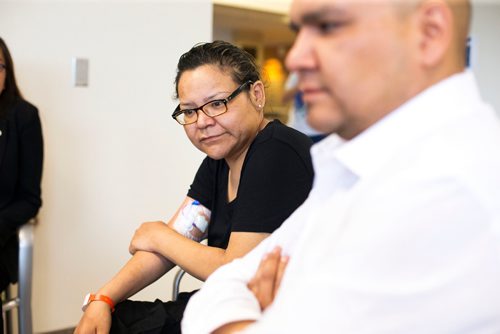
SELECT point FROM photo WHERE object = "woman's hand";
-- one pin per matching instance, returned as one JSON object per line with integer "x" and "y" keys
{"x": 148, "y": 236}
{"x": 95, "y": 320}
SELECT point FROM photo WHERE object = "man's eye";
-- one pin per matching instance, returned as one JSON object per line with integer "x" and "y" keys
{"x": 327, "y": 27}
{"x": 294, "y": 27}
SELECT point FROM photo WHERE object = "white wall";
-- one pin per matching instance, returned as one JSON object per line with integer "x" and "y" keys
{"x": 485, "y": 54}
{"x": 113, "y": 155}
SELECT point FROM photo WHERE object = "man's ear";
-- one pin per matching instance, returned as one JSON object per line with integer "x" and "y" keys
{"x": 435, "y": 24}
{"x": 258, "y": 95}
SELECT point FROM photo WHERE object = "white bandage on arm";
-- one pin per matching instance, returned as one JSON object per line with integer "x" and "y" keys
{"x": 192, "y": 221}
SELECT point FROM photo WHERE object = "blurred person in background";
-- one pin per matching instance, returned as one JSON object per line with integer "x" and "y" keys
{"x": 298, "y": 109}
{"x": 21, "y": 160}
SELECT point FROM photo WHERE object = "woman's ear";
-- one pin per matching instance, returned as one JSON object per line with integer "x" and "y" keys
{"x": 258, "y": 95}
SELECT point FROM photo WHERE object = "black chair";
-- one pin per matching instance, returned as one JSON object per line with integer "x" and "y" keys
{"x": 23, "y": 299}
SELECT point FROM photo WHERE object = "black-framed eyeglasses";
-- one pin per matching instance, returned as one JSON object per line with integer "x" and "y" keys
{"x": 211, "y": 109}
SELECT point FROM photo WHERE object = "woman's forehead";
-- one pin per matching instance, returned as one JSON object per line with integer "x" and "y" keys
{"x": 208, "y": 77}
{"x": 201, "y": 85}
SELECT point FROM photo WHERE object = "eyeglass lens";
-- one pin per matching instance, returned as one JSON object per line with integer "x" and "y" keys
{"x": 212, "y": 109}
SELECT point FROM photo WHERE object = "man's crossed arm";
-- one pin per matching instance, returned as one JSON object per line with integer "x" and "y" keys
{"x": 264, "y": 285}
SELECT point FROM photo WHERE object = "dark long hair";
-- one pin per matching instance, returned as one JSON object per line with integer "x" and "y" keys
{"x": 239, "y": 63}
{"x": 11, "y": 92}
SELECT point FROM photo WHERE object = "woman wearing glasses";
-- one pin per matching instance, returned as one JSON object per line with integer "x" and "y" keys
{"x": 21, "y": 155}
{"x": 256, "y": 173}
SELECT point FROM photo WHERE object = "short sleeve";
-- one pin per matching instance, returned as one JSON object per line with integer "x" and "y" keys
{"x": 275, "y": 181}
{"x": 202, "y": 187}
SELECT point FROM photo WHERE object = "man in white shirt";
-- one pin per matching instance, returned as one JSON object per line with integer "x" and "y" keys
{"x": 401, "y": 232}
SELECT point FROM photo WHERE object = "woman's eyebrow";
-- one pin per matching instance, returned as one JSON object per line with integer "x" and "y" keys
{"x": 189, "y": 105}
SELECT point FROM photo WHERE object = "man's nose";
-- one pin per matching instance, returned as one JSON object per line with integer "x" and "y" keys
{"x": 300, "y": 55}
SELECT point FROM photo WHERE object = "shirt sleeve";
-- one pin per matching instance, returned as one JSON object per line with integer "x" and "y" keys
{"x": 203, "y": 184}
{"x": 275, "y": 181}
{"x": 224, "y": 297}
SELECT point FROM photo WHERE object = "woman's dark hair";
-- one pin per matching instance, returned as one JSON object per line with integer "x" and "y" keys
{"x": 228, "y": 57}
{"x": 11, "y": 91}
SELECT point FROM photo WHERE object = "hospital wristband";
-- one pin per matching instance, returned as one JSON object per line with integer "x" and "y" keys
{"x": 90, "y": 297}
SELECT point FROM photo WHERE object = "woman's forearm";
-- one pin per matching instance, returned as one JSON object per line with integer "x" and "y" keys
{"x": 140, "y": 271}
{"x": 197, "y": 259}
{"x": 200, "y": 260}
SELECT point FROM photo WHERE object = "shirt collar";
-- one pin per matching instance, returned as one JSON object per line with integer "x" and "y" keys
{"x": 370, "y": 150}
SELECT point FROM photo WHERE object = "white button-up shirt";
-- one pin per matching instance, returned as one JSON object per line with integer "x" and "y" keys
{"x": 400, "y": 233}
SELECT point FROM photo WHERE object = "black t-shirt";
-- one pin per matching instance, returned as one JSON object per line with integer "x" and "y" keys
{"x": 276, "y": 178}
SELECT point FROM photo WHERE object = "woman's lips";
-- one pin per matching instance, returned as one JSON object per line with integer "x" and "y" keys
{"x": 211, "y": 138}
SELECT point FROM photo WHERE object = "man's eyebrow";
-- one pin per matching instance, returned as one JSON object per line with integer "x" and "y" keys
{"x": 313, "y": 17}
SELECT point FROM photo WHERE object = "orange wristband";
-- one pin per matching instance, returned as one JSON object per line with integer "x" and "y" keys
{"x": 90, "y": 297}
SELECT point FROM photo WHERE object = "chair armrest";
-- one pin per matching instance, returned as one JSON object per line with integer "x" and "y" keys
{"x": 26, "y": 240}
{"x": 177, "y": 283}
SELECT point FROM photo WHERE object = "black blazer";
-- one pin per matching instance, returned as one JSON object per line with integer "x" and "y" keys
{"x": 21, "y": 159}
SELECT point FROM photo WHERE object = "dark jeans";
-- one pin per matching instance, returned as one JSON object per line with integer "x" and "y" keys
{"x": 134, "y": 317}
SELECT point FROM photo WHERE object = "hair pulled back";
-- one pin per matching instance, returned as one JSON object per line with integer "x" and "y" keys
{"x": 228, "y": 57}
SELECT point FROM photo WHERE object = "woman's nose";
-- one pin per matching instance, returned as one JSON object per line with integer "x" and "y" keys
{"x": 203, "y": 120}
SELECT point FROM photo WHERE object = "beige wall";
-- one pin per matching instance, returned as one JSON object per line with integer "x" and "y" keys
{"x": 114, "y": 157}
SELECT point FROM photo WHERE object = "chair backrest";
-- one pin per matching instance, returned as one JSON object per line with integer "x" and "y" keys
{"x": 23, "y": 299}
